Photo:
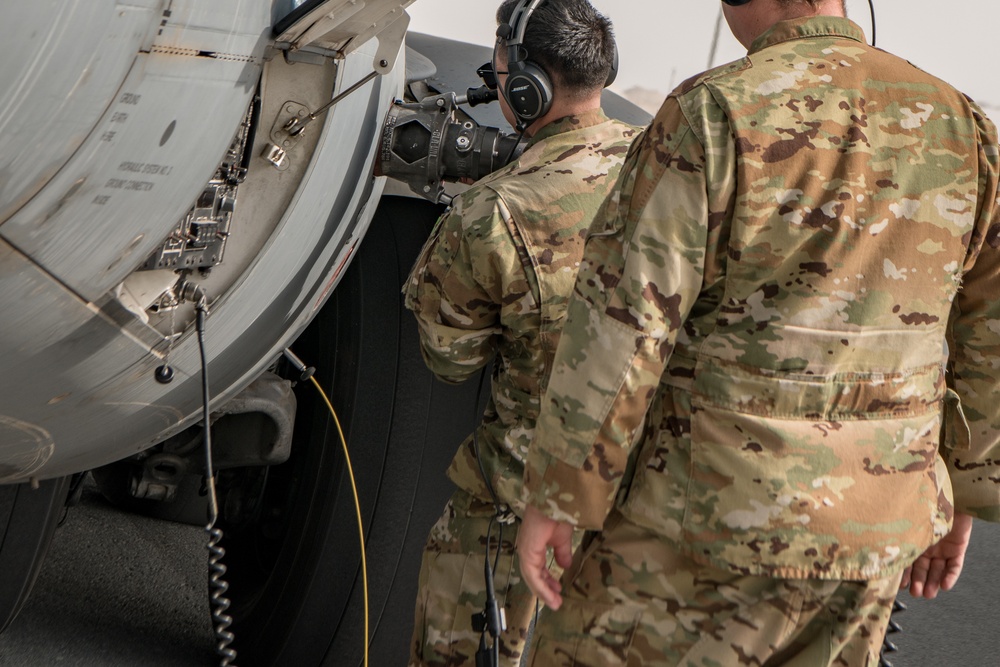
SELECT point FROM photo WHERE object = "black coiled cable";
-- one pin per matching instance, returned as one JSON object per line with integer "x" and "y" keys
{"x": 217, "y": 584}
{"x": 888, "y": 647}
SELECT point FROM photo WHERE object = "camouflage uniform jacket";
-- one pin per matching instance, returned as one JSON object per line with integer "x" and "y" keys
{"x": 796, "y": 278}
{"x": 495, "y": 278}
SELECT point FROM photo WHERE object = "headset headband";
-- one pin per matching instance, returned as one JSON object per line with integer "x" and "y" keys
{"x": 516, "y": 28}
{"x": 513, "y": 33}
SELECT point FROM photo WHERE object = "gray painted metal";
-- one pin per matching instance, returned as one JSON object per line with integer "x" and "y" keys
{"x": 76, "y": 380}
{"x": 261, "y": 419}
{"x": 131, "y": 179}
{"x": 343, "y": 25}
{"x": 64, "y": 61}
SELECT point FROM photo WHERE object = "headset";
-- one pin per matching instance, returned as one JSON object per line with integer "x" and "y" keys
{"x": 529, "y": 89}
{"x": 871, "y": 6}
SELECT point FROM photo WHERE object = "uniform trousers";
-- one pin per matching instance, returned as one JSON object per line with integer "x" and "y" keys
{"x": 632, "y": 598}
{"x": 452, "y": 588}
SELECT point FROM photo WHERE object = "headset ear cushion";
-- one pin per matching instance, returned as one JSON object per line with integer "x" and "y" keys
{"x": 613, "y": 74}
{"x": 529, "y": 92}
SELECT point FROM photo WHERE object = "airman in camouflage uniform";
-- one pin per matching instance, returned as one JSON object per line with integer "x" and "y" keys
{"x": 791, "y": 305}
{"x": 494, "y": 279}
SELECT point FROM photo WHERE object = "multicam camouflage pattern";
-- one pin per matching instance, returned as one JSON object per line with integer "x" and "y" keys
{"x": 704, "y": 616}
{"x": 494, "y": 279}
{"x": 452, "y": 588}
{"x": 795, "y": 279}
{"x": 496, "y": 275}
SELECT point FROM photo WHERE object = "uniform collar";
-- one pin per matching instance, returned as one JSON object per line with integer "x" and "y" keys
{"x": 569, "y": 124}
{"x": 813, "y": 26}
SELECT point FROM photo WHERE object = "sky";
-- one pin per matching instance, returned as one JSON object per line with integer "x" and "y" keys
{"x": 663, "y": 42}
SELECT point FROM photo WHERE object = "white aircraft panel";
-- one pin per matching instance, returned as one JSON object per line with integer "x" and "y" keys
{"x": 222, "y": 27}
{"x": 60, "y": 350}
{"x": 62, "y": 67}
{"x": 138, "y": 172}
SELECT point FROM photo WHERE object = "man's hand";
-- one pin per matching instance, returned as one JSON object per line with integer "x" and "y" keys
{"x": 939, "y": 567}
{"x": 538, "y": 532}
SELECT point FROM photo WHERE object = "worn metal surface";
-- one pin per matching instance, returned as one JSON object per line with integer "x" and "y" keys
{"x": 158, "y": 142}
{"x": 259, "y": 422}
{"x": 64, "y": 61}
{"x": 76, "y": 387}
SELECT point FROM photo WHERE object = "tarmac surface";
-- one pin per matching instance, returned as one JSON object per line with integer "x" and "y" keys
{"x": 120, "y": 590}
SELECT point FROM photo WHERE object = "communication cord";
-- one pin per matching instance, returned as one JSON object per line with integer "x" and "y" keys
{"x": 216, "y": 582}
{"x": 492, "y": 618}
{"x": 309, "y": 373}
{"x": 357, "y": 506}
{"x": 510, "y": 155}
{"x": 888, "y": 647}
{"x": 217, "y": 570}
{"x": 871, "y": 6}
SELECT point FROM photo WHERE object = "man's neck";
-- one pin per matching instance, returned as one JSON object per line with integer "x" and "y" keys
{"x": 767, "y": 14}
{"x": 561, "y": 108}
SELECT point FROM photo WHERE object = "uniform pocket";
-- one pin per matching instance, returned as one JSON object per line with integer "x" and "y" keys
{"x": 848, "y": 499}
{"x": 585, "y": 634}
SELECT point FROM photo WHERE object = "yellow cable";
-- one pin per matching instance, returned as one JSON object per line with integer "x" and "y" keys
{"x": 357, "y": 506}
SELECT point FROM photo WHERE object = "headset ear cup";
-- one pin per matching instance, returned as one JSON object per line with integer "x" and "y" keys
{"x": 613, "y": 74}
{"x": 529, "y": 92}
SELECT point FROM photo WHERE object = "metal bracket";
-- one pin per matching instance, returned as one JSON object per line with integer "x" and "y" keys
{"x": 277, "y": 156}
{"x": 340, "y": 27}
{"x": 282, "y": 131}
{"x": 158, "y": 477}
{"x": 338, "y": 13}
{"x": 390, "y": 42}
{"x": 283, "y": 134}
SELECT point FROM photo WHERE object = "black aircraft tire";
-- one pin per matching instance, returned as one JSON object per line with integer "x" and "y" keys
{"x": 295, "y": 569}
{"x": 28, "y": 519}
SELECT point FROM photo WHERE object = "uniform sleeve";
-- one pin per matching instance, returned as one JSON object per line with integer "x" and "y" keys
{"x": 971, "y": 446}
{"x": 642, "y": 271}
{"x": 456, "y": 287}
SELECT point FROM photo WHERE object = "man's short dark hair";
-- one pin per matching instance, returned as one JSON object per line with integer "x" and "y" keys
{"x": 570, "y": 40}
